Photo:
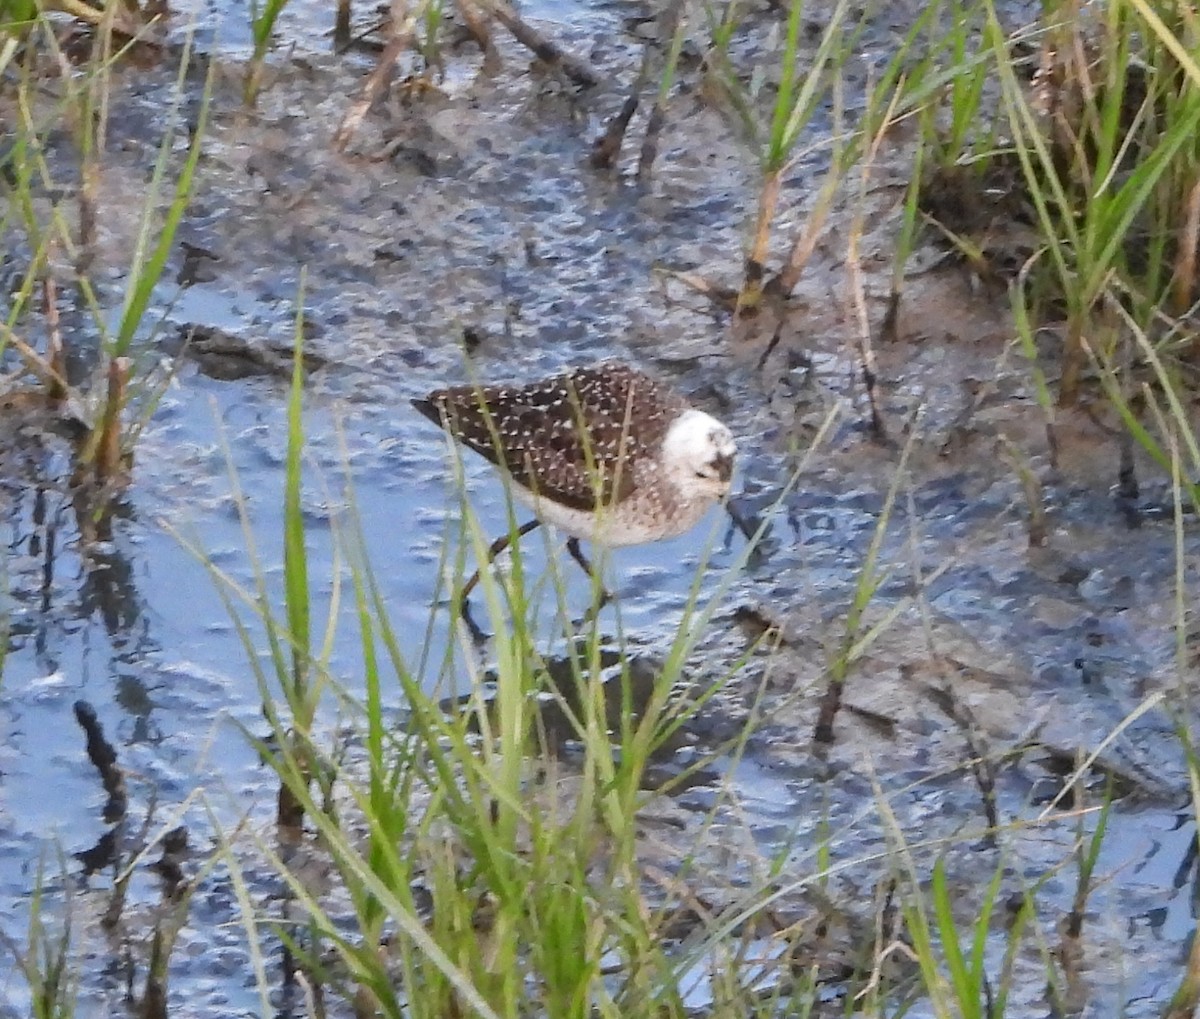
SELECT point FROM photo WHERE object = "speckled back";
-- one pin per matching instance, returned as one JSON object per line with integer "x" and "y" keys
{"x": 564, "y": 437}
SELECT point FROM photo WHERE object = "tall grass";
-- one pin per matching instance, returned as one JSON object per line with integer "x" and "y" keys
{"x": 39, "y": 218}
{"x": 477, "y": 873}
{"x": 514, "y": 865}
{"x": 156, "y": 238}
{"x": 775, "y": 134}
{"x": 45, "y": 961}
{"x": 263, "y": 16}
{"x": 1099, "y": 187}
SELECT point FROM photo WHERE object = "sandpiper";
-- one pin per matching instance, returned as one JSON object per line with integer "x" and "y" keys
{"x": 601, "y": 452}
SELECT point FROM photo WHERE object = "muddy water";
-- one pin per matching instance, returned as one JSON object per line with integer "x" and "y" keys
{"x": 466, "y": 219}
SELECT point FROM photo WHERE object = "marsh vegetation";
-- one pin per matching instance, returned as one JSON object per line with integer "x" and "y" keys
{"x": 908, "y": 732}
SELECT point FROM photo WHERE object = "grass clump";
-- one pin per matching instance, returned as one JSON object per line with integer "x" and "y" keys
{"x": 479, "y": 874}
{"x": 91, "y": 382}
{"x": 45, "y": 961}
{"x": 1109, "y": 160}
{"x": 480, "y": 866}
{"x": 1073, "y": 177}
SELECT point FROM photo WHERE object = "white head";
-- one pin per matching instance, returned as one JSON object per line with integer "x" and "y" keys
{"x": 698, "y": 453}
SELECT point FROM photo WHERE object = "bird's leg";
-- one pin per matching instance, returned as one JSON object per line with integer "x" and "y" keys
{"x": 478, "y": 637}
{"x": 579, "y": 557}
{"x": 497, "y": 546}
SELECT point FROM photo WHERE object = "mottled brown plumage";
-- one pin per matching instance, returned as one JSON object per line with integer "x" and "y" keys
{"x": 569, "y": 438}
{"x": 604, "y": 453}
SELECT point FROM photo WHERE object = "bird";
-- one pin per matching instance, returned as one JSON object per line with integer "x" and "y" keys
{"x": 602, "y": 452}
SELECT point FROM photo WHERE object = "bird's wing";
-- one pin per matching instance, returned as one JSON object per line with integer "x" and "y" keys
{"x": 576, "y": 439}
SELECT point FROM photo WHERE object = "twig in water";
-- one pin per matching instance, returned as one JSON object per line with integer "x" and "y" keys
{"x": 983, "y": 768}
{"x": 341, "y": 25}
{"x": 658, "y": 113}
{"x": 889, "y": 328}
{"x": 1186, "y": 998}
{"x": 1127, "y": 482}
{"x": 55, "y": 355}
{"x": 477, "y": 28}
{"x": 1185, "y": 266}
{"x": 33, "y": 360}
{"x": 606, "y": 147}
{"x": 108, "y": 453}
{"x": 649, "y": 150}
{"x": 724, "y": 297}
{"x": 402, "y": 32}
{"x": 579, "y": 71}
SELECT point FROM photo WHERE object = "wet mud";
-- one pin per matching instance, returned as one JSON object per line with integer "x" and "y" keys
{"x": 465, "y": 230}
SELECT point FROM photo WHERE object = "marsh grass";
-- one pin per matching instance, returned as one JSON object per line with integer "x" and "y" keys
{"x": 263, "y": 16}
{"x": 1098, "y": 188}
{"x": 775, "y": 129}
{"x": 450, "y": 806}
{"x": 56, "y": 226}
{"x": 476, "y": 871}
{"x": 125, "y": 16}
{"x": 45, "y": 961}
{"x": 1152, "y": 407}
{"x": 1079, "y": 185}
{"x": 939, "y": 77}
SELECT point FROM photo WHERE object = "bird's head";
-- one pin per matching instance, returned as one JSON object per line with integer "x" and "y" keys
{"x": 699, "y": 452}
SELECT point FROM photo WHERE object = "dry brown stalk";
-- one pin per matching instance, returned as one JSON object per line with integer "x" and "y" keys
{"x": 578, "y": 70}
{"x": 981, "y": 763}
{"x": 608, "y": 145}
{"x": 124, "y": 20}
{"x": 1031, "y": 487}
{"x": 478, "y": 29}
{"x": 341, "y": 25}
{"x": 649, "y": 152}
{"x": 673, "y": 28}
{"x": 1185, "y": 264}
{"x": 109, "y": 464}
{"x": 403, "y": 26}
{"x": 866, "y": 351}
{"x": 1186, "y": 999}
{"x": 33, "y": 360}
{"x": 724, "y": 297}
{"x": 830, "y": 705}
{"x": 55, "y": 355}
{"x": 1068, "y": 388}
{"x": 750, "y": 296}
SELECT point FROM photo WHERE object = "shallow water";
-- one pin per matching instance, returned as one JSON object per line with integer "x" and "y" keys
{"x": 486, "y": 220}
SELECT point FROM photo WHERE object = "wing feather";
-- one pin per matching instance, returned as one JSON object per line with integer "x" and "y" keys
{"x": 576, "y": 438}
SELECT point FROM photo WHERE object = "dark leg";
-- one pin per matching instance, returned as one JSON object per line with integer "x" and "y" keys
{"x": 497, "y": 546}
{"x": 579, "y": 557}
{"x": 478, "y": 636}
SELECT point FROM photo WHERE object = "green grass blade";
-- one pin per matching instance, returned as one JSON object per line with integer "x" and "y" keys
{"x": 146, "y": 270}
{"x": 295, "y": 561}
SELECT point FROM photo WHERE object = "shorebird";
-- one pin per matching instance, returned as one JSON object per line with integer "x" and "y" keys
{"x": 602, "y": 452}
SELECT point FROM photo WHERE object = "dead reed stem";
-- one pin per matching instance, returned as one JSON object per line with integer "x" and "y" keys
{"x": 579, "y": 71}
{"x": 1031, "y": 488}
{"x": 751, "y": 294}
{"x": 55, "y": 356}
{"x": 1184, "y": 283}
{"x": 341, "y": 25}
{"x": 1073, "y": 354}
{"x": 608, "y": 145}
{"x": 477, "y": 28}
{"x": 108, "y": 463}
{"x": 402, "y": 33}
